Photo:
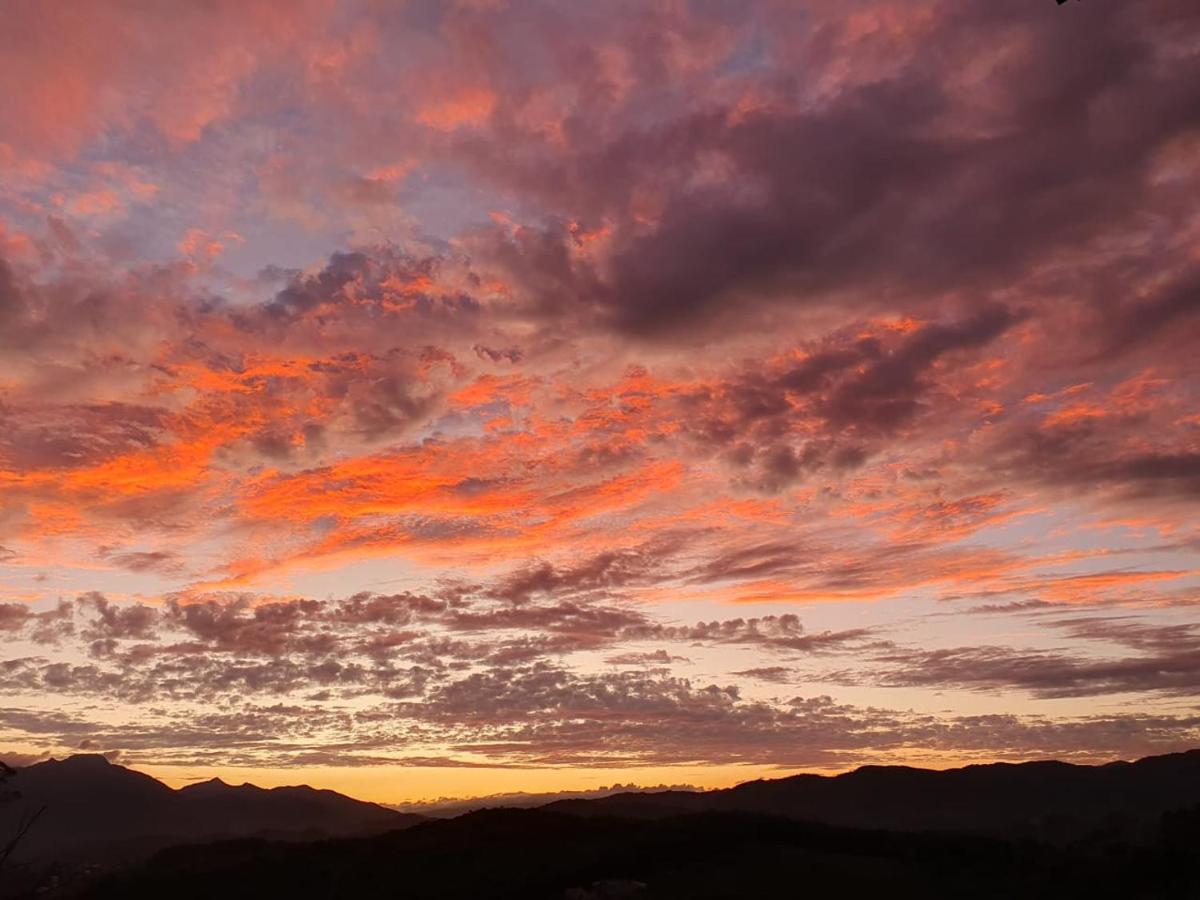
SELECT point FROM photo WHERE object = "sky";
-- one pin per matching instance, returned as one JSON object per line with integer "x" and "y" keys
{"x": 428, "y": 399}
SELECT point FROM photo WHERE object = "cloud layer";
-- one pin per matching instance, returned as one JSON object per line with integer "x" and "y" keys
{"x": 721, "y": 382}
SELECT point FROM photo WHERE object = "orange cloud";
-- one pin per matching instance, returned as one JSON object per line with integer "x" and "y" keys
{"x": 466, "y": 107}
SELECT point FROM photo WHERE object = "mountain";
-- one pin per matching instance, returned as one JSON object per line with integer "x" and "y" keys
{"x": 97, "y": 810}
{"x": 1052, "y": 830}
{"x": 1052, "y": 801}
{"x": 449, "y": 808}
{"x": 511, "y": 854}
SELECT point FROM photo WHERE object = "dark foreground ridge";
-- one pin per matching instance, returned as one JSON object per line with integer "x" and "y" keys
{"x": 531, "y": 854}
{"x": 1033, "y": 830}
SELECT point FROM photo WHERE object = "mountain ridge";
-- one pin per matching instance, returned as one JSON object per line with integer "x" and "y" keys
{"x": 1042, "y": 799}
{"x": 1047, "y": 800}
{"x": 96, "y": 808}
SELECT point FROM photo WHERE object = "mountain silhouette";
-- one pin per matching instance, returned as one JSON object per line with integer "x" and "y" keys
{"x": 1045, "y": 829}
{"x": 1051, "y": 801}
{"x": 95, "y": 809}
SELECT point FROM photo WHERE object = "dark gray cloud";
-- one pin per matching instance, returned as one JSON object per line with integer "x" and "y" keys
{"x": 331, "y": 284}
{"x": 540, "y": 714}
{"x": 165, "y": 562}
{"x": 1094, "y": 455}
{"x": 13, "y": 616}
{"x": 68, "y": 436}
{"x": 116, "y": 621}
{"x": 906, "y": 184}
{"x": 398, "y": 645}
{"x": 653, "y": 658}
{"x": 783, "y": 632}
{"x": 1168, "y": 662}
{"x": 843, "y": 400}
{"x": 886, "y": 393}
{"x": 596, "y": 575}
{"x": 775, "y": 674}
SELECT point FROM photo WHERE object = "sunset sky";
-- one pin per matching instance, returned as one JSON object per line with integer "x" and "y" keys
{"x": 432, "y": 399}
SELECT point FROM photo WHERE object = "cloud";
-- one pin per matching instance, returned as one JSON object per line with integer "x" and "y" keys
{"x": 1168, "y": 662}
{"x": 576, "y": 320}
{"x": 1172, "y": 304}
{"x": 164, "y": 561}
{"x": 826, "y": 408}
{"x": 655, "y": 658}
{"x": 117, "y": 622}
{"x": 400, "y": 645}
{"x": 530, "y": 713}
{"x": 872, "y": 187}
{"x": 775, "y": 674}
{"x": 782, "y": 632}
{"x": 13, "y": 616}
{"x": 181, "y": 74}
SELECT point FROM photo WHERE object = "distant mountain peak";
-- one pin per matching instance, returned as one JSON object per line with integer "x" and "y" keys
{"x": 208, "y": 784}
{"x": 84, "y": 761}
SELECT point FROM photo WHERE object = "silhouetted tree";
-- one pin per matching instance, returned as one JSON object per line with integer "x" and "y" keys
{"x": 27, "y": 819}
